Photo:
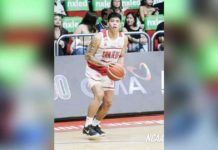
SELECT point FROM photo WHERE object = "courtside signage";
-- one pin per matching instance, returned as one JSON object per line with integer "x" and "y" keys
{"x": 131, "y": 4}
{"x": 76, "y": 5}
{"x": 151, "y": 22}
{"x": 98, "y": 5}
{"x": 140, "y": 91}
{"x": 71, "y": 23}
{"x": 157, "y": 1}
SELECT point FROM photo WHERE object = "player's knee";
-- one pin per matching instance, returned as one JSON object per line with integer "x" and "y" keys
{"x": 107, "y": 103}
{"x": 99, "y": 96}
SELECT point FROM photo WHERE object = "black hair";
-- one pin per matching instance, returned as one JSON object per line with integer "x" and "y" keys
{"x": 104, "y": 12}
{"x": 121, "y": 5}
{"x": 90, "y": 20}
{"x": 114, "y": 15}
{"x": 143, "y": 2}
{"x": 135, "y": 18}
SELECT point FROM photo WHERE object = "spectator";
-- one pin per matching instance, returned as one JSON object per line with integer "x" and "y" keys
{"x": 160, "y": 37}
{"x": 58, "y": 8}
{"x": 58, "y": 31}
{"x": 117, "y": 7}
{"x": 104, "y": 15}
{"x": 146, "y": 9}
{"x": 87, "y": 26}
{"x": 136, "y": 41}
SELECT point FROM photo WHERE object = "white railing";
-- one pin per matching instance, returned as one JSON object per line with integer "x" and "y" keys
{"x": 56, "y": 49}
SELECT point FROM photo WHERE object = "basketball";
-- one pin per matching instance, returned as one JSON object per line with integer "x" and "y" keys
{"x": 115, "y": 71}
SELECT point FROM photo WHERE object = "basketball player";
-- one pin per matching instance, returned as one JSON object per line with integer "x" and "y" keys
{"x": 106, "y": 47}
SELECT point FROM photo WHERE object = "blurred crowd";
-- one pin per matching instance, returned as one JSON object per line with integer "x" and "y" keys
{"x": 93, "y": 20}
{"x": 191, "y": 75}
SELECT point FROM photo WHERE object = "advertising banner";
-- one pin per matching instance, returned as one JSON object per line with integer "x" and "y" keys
{"x": 98, "y": 5}
{"x": 151, "y": 22}
{"x": 76, "y": 5}
{"x": 140, "y": 91}
{"x": 71, "y": 23}
{"x": 157, "y": 1}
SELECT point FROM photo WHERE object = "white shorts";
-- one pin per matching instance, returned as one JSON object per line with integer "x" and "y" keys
{"x": 94, "y": 77}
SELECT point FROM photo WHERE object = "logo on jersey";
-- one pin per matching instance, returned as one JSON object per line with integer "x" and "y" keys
{"x": 111, "y": 54}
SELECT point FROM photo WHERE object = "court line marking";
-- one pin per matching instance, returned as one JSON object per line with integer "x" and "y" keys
{"x": 99, "y": 141}
{"x": 112, "y": 125}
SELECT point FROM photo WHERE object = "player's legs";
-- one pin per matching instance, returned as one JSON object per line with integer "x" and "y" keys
{"x": 92, "y": 110}
{"x": 97, "y": 107}
{"x": 102, "y": 111}
{"x": 105, "y": 106}
{"x": 94, "y": 105}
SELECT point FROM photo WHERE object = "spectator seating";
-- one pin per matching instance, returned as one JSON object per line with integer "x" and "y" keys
{"x": 150, "y": 25}
{"x": 76, "y": 10}
{"x": 70, "y": 24}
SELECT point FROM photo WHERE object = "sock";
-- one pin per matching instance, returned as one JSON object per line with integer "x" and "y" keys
{"x": 89, "y": 121}
{"x": 95, "y": 122}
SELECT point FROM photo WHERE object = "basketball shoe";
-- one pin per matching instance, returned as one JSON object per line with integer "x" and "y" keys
{"x": 90, "y": 131}
{"x": 98, "y": 130}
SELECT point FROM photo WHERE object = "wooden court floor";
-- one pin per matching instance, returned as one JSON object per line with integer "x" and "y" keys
{"x": 137, "y": 133}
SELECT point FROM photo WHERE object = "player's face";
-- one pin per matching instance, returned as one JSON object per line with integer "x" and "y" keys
{"x": 114, "y": 24}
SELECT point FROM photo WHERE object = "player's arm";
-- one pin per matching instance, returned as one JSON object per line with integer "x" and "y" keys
{"x": 92, "y": 49}
{"x": 121, "y": 59}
